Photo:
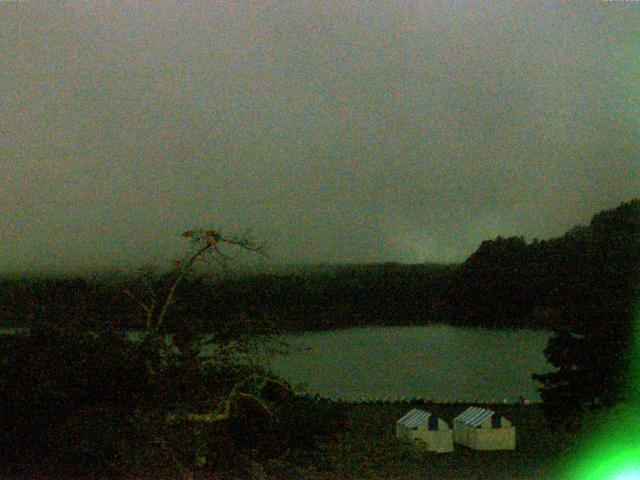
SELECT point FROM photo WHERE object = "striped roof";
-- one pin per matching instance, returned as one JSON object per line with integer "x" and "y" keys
{"x": 474, "y": 416}
{"x": 414, "y": 418}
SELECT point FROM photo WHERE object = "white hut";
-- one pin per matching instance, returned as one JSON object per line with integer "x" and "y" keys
{"x": 427, "y": 429}
{"x": 483, "y": 429}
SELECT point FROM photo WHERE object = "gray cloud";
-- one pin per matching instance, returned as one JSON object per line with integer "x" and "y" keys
{"x": 338, "y": 131}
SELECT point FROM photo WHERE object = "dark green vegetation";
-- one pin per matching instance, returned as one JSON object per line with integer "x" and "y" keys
{"x": 331, "y": 297}
{"x": 506, "y": 283}
{"x": 78, "y": 399}
{"x": 594, "y": 346}
{"x": 76, "y": 404}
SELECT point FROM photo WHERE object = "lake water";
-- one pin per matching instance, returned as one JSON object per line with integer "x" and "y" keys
{"x": 436, "y": 362}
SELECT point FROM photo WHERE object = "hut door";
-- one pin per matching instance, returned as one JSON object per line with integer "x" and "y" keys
{"x": 495, "y": 421}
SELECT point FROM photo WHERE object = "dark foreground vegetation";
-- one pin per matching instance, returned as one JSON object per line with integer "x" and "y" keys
{"x": 79, "y": 400}
{"x": 87, "y": 406}
{"x": 80, "y": 404}
{"x": 366, "y": 448}
{"x": 92, "y": 404}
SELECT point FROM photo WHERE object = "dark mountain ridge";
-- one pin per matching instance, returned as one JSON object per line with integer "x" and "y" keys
{"x": 505, "y": 283}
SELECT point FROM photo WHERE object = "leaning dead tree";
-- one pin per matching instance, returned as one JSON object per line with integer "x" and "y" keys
{"x": 209, "y": 246}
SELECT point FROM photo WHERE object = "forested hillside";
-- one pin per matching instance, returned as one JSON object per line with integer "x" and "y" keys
{"x": 507, "y": 282}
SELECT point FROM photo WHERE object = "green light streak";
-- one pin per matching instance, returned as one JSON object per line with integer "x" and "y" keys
{"x": 612, "y": 452}
{"x": 628, "y": 475}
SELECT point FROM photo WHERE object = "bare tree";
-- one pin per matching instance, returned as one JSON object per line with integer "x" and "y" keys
{"x": 208, "y": 246}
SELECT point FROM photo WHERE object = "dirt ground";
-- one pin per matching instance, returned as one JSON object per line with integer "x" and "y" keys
{"x": 367, "y": 449}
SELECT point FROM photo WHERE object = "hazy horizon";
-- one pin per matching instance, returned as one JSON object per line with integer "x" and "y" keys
{"x": 337, "y": 131}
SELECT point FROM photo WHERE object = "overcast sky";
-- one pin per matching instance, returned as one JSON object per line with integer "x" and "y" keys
{"x": 337, "y": 131}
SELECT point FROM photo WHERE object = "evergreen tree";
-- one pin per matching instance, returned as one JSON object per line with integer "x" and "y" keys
{"x": 595, "y": 287}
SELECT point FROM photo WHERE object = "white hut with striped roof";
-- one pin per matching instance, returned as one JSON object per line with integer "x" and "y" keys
{"x": 426, "y": 429}
{"x": 483, "y": 429}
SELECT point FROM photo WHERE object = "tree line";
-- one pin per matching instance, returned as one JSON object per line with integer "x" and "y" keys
{"x": 81, "y": 398}
{"x": 505, "y": 283}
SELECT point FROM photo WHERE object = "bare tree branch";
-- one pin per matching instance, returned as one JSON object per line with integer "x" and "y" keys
{"x": 147, "y": 308}
{"x": 206, "y": 242}
{"x": 225, "y": 413}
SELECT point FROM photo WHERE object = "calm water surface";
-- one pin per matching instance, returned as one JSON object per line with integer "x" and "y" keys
{"x": 435, "y": 362}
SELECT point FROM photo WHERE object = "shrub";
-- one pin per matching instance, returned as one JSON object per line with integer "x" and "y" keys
{"x": 63, "y": 391}
{"x": 94, "y": 403}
